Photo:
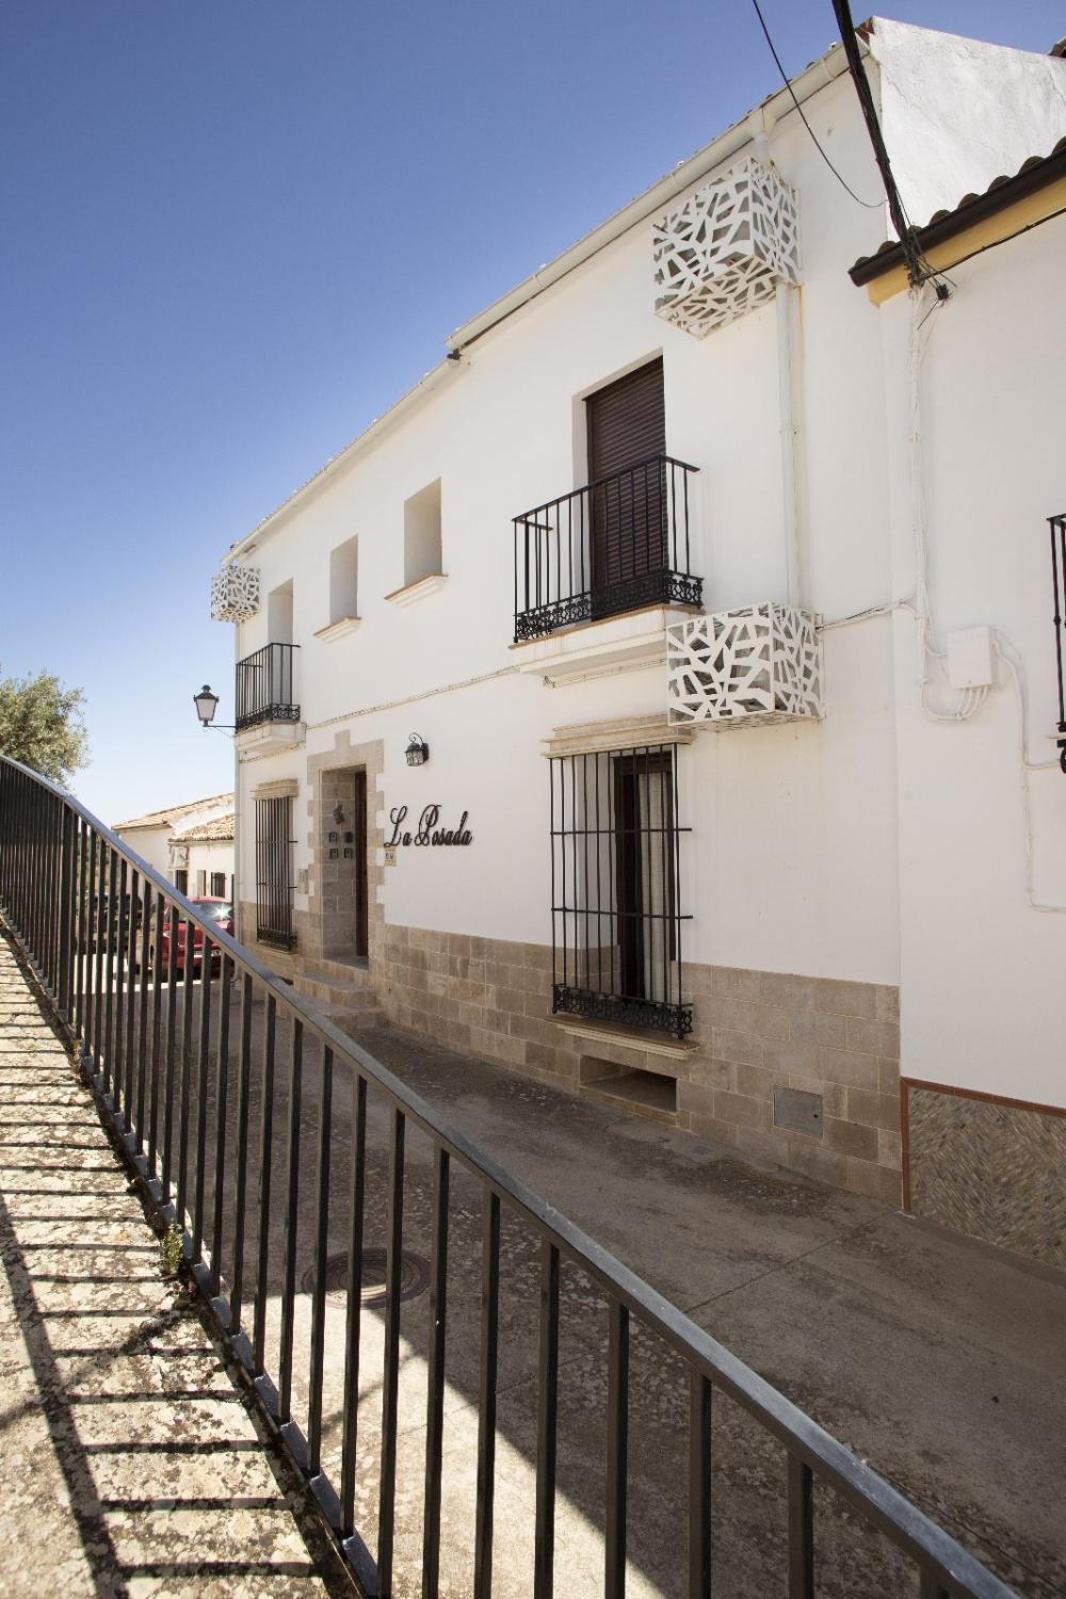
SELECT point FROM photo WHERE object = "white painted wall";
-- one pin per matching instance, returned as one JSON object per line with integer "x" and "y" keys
{"x": 982, "y": 970}
{"x": 150, "y": 843}
{"x": 209, "y": 856}
{"x": 957, "y": 113}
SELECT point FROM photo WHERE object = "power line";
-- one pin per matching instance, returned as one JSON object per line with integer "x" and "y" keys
{"x": 871, "y": 205}
{"x": 916, "y": 266}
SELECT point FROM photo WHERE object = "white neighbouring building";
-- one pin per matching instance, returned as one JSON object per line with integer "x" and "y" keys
{"x": 661, "y": 698}
{"x": 190, "y": 844}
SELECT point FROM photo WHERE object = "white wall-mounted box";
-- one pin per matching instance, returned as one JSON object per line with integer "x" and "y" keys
{"x": 971, "y": 658}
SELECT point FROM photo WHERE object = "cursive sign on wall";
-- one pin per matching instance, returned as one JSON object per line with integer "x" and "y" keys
{"x": 426, "y": 831}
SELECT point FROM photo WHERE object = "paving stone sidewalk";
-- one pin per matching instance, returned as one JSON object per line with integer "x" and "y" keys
{"x": 129, "y": 1462}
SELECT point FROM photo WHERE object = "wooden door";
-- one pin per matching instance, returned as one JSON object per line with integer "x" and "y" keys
{"x": 626, "y": 426}
{"x": 362, "y": 914}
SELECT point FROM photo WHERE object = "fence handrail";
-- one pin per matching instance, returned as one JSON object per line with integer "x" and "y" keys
{"x": 608, "y": 477}
{"x": 832, "y": 1462}
{"x": 271, "y": 644}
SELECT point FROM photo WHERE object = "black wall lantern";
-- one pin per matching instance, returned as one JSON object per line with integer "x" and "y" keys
{"x": 417, "y": 751}
{"x": 206, "y": 705}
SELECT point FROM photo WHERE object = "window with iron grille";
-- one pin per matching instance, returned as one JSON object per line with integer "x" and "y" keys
{"x": 273, "y": 872}
{"x": 616, "y": 871}
{"x": 218, "y": 885}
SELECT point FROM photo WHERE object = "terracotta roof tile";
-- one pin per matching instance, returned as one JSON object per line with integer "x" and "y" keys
{"x": 174, "y": 813}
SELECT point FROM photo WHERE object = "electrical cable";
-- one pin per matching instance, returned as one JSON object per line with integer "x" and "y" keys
{"x": 871, "y": 205}
{"x": 919, "y": 268}
{"x": 925, "y": 631}
{"x": 1006, "y": 653}
{"x": 900, "y": 220}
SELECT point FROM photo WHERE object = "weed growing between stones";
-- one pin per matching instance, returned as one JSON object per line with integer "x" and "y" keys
{"x": 170, "y": 1251}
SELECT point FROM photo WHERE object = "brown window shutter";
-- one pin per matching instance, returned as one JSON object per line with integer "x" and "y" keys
{"x": 626, "y": 421}
{"x": 626, "y": 424}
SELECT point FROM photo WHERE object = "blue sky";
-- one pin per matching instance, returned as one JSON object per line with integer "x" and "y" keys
{"x": 235, "y": 230}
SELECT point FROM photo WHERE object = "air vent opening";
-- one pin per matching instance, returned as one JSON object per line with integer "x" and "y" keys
{"x": 653, "y": 1093}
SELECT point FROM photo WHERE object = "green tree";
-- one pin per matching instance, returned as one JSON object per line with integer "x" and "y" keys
{"x": 41, "y": 725}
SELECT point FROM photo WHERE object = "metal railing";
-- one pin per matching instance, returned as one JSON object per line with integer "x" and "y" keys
{"x": 179, "y": 1085}
{"x": 265, "y": 687}
{"x": 621, "y": 542}
{"x": 1057, "y": 524}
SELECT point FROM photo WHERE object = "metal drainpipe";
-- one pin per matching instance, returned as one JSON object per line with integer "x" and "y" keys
{"x": 787, "y": 308}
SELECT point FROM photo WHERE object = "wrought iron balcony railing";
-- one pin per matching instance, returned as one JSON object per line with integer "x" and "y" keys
{"x": 201, "y": 1078}
{"x": 265, "y": 687}
{"x": 614, "y": 545}
{"x": 1058, "y": 584}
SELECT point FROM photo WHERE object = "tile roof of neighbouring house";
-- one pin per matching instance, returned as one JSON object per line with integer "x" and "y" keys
{"x": 174, "y": 813}
{"x": 220, "y": 827}
{"x": 1004, "y": 190}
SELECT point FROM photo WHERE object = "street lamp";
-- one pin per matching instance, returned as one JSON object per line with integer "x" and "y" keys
{"x": 206, "y": 705}
{"x": 417, "y": 751}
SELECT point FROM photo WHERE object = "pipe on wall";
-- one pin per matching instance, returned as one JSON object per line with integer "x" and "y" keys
{"x": 789, "y": 348}
{"x": 789, "y": 394}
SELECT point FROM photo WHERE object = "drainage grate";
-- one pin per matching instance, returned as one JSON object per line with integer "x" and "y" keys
{"x": 414, "y": 1278}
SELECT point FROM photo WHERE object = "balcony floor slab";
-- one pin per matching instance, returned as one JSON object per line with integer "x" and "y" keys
{"x": 631, "y": 640}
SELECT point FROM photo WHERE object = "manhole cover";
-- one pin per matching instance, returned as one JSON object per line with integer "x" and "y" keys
{"x": 414, "y": 1277}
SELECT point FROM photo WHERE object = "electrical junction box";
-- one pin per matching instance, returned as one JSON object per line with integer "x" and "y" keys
{"x": 971, "y": 658}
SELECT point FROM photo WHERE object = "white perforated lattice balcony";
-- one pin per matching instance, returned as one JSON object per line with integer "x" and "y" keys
{"x": 745, "y": 668}
{"x": 234, "y": 593}
{"x": 726, "y": 249}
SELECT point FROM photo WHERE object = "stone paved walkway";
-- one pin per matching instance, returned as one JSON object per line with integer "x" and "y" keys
{"x": 129, "y": 1463}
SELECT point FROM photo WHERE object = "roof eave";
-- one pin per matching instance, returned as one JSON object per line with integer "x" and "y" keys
{"x": 1002, "y": 194}
{"x": 829, "y": 67}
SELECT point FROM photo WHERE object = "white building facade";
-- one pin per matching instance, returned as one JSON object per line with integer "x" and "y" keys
{"x": 191, "y": 844}
{"x": 639, "y": 703}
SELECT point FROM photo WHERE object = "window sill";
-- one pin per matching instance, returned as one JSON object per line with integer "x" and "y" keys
{"x": 648, "y": 1042}
{"x": 411, "y": 593}
{"x": 338, "y": 629}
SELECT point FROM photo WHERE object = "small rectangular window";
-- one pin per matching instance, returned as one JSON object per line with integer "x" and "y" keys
{"x": 218, "y": 885}
{"x": 279, "y": 614}
{"x": 344, "y": 581}
{"x": 181, "y": 880}
{"x": 422, "y": 535}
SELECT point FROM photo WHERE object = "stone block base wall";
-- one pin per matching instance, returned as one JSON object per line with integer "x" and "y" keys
{"x": 763, "y": 1037}
{"x": 756, "y": 1034}
{"x": 990, "y": 1168}
{"x": 285, "y": 962}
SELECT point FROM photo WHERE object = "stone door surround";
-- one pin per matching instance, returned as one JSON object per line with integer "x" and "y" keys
{"x": 324, "y": 920}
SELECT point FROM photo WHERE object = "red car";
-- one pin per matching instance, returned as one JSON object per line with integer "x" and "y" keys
{"x": 212, "y": 910}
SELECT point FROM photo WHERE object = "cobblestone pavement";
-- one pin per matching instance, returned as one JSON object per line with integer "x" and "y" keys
{"x": 129, "y": 1463}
